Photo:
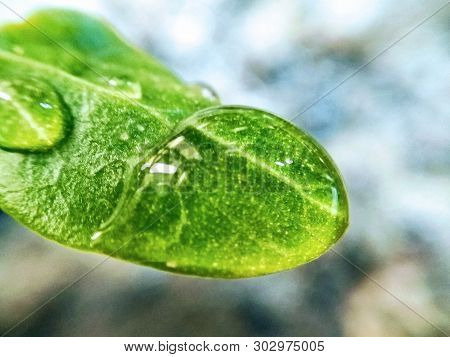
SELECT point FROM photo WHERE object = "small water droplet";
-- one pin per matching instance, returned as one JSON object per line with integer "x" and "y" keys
{"x": 206, "y": 91}
{"x": 289, "y": 161}
{"x": 129, "y": 88}
{"x": 33, "y": 115}
{"x": 279, "y": 163}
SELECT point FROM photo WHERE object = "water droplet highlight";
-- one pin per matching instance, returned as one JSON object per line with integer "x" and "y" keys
{"x": 162, "y": 168}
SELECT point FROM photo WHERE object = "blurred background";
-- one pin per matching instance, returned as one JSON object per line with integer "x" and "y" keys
{"x": 388, "y": 129}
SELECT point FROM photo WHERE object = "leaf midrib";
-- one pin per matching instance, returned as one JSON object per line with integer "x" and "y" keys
{"x": 267, "y": 168}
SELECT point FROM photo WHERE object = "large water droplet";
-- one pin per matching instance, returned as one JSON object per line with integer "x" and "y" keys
{"x": 32, "y": 114}
{"x": 151, "y": 184}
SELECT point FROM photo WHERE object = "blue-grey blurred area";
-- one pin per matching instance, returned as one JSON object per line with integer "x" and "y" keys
{"x": 387, "y": 127}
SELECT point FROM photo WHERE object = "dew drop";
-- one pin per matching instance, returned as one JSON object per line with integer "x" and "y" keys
{"x": 32, "y": 114}
{"x": 289, "y": 161}
{"x": 279, "y": 163}
{"x": 129, "y": 88}
{"x": 206, "y": 91}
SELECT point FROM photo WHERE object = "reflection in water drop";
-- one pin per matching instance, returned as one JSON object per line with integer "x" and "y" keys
{"x": 129, "y": 88}
{"x": 33, "y": 115}
{"x": 279, "y": 163}
{"x": 162, "y": 168}
{"x": 289, "y": 161}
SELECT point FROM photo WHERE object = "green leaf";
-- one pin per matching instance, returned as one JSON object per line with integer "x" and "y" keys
{"x": 136, "y": 164}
